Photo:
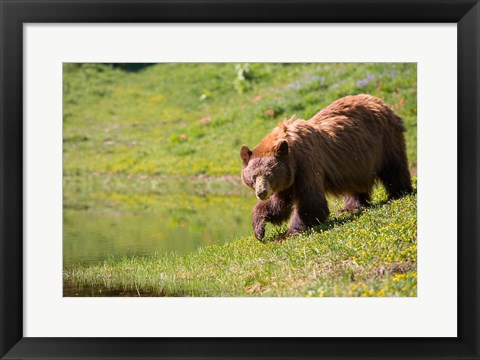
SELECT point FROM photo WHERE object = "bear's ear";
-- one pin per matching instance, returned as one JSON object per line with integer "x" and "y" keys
{"x": 282, "y": 149}
{"x": 245, "y": 154}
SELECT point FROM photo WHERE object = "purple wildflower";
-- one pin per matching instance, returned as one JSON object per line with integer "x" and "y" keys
{"x": 362, "y": 82}
{"x": 365, "y": 81}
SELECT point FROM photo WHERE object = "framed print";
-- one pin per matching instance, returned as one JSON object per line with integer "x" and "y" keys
{"x": 137, "y": 138}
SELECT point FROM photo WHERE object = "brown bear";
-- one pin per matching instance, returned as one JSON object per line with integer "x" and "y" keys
{"x": 342, "y": 150}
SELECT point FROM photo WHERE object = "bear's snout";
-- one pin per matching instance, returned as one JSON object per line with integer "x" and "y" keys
{"x": 262, "y": 195}
{"x": 262, "y": 188}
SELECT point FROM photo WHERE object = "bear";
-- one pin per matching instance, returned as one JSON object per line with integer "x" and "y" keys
{"x": 342, "y": 150}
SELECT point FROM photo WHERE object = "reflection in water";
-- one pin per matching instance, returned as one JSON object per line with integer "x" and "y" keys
{"x": 182, "y": 224}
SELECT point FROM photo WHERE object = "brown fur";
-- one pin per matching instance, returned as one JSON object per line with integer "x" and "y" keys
{"x": 341, "y": 150}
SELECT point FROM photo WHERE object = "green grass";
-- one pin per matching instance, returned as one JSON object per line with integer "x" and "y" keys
{"x": 373, "y": 253}
{"x": 188, "y": 119}
{"x": 164, "y": 138}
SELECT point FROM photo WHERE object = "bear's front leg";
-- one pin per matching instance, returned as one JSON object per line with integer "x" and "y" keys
{"x": 275, "y": 210}
{"x": 309, "y": 211}
{"x": 259, "y": 219}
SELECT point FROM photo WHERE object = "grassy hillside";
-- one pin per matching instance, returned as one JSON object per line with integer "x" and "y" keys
{"x": 192, "y": 118}
{"x": 373, "y": 253}
{"x": 164, "y": 140}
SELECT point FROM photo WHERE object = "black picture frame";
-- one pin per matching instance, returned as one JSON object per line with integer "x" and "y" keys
{"x": 15, "y": 13}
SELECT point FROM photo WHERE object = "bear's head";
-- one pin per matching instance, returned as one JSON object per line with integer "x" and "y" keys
{"x": 267, "y": 168}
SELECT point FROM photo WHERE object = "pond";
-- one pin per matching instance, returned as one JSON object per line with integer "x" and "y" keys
{"x": 109, "y": 218}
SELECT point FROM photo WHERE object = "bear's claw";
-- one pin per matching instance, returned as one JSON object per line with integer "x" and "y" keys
{"x": 258, "y": 223}
{"x": 259, "y": 228}
{"x": 259, "y": 232}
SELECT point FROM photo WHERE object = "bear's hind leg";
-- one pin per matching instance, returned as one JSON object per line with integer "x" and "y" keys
{"x": 355, "y": 202}
{"x": 396, "y": 179}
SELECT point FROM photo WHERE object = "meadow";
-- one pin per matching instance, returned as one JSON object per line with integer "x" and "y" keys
{"x": 154, "y": 205}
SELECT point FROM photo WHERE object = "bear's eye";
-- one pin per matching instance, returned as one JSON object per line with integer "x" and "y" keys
{"x": 254, "y": 178}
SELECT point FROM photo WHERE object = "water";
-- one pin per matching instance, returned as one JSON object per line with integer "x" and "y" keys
{"x": 99, "y": 224}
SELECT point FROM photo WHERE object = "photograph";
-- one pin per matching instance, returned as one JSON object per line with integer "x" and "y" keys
{"x": 239, "y": 179}
{"x": 251, "y": 179}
